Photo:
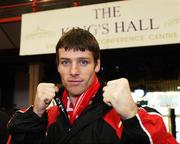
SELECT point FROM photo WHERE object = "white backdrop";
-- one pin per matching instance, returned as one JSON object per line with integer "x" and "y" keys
{"x": 115, "y": 25}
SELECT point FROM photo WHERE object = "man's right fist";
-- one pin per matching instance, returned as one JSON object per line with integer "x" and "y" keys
{"x": 44, "y": 94}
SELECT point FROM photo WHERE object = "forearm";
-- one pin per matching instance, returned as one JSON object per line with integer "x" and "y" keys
{"x": 147, "y": 127}
{"x": 27, "y": 127}
{"x": 133, "y": 132}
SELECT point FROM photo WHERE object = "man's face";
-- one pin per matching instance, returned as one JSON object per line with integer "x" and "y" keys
{"x": 77, "y": 70}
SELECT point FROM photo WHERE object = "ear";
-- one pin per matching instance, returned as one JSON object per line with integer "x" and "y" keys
{"x": 98, "y": 65}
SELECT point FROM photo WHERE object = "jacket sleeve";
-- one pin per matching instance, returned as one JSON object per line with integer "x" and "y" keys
{"x": 146, "y": 127}
{"x": 27, "y": 127}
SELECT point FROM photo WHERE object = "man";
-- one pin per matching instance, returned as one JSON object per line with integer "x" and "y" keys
{"x": 87, "y": 111}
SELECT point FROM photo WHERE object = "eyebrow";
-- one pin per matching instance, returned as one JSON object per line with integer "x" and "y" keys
{"x": 65, "y": 58}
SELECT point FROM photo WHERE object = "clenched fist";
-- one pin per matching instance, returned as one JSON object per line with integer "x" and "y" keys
{"x": 117, "y": 93}
{"x": 45, "y": 93}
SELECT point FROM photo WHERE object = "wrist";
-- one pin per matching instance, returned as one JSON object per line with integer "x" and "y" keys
{"x": 38, "y": 112}
{"x": 131, "y": 113}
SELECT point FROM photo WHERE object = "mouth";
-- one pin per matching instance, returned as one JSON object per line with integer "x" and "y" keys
{"x": 75, "y": 82}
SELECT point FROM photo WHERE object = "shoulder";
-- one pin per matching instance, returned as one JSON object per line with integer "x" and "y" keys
{"x": 148, "y": 112}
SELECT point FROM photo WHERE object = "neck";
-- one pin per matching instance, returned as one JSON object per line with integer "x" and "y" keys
{"x": 73, "y": 99}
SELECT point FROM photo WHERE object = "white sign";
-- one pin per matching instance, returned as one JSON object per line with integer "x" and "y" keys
{"x": 115, "y": 25}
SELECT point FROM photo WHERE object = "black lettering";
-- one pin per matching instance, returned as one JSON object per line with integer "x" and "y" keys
{"x": 119, "y": 27}
{"x": 131, "y": 26}
{"x": 108, "y": 12}
{"x": 152, "y": 24}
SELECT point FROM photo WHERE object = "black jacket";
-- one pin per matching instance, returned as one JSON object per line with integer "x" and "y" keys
{"x": 97, "y": 124}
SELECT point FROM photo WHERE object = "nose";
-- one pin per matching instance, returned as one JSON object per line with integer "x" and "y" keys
{"x": 74, "y": 69}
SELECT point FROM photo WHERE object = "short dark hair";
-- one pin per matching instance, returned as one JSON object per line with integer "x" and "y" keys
{"x": 78, "y": 39}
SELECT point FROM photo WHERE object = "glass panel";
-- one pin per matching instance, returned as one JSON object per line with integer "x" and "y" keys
{"x": 165, "y": 118}
{"x": 163, "y": 110}
{"x": 177, "y": 123}
{"x": 177, "y": 119}
{"x": 177, "y": 111}
{"x": 178, "y": 137}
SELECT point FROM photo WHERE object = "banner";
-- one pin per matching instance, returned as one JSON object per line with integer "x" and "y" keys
{"x": 118, "y": 24}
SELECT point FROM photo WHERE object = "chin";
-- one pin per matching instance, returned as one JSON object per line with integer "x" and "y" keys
{"x": 76, "y": 93}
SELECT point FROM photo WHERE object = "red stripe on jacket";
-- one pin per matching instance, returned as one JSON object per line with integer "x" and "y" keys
{"x": 53, "y": 112}
{"x": 113, "y": 119}
{"x": 152, "y": 123}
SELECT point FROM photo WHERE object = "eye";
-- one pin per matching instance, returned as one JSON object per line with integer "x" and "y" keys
{"x": 84, "y": 62}
{"x": 64, "y": 62}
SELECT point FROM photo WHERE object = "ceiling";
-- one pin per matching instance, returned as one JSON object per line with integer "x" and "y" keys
{"x": 10, "y": 35}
